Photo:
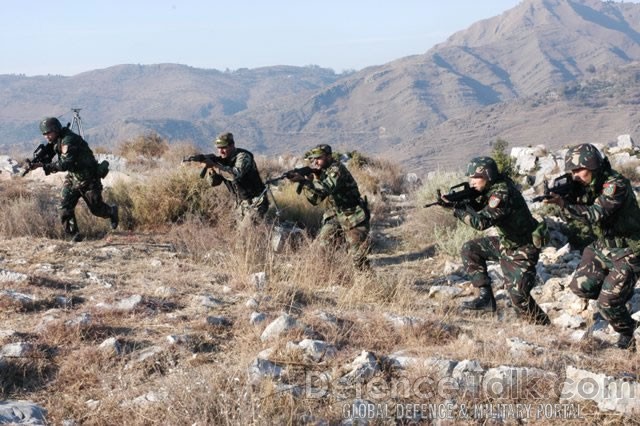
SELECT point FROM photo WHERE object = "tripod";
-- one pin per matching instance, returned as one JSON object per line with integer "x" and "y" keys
{"x": 77, "y": 121}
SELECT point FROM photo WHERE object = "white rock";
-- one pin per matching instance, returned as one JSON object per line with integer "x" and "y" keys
{"x": 607, "y": 392}
{"x": 280, "y": 325}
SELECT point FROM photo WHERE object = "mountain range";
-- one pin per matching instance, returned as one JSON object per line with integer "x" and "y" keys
{"x": 553, "y": 72}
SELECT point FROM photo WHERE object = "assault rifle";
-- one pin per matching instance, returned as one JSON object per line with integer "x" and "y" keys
{"x": 304, "y": 171}
{"x": 564, "y": 186}
{"x": 42, "y": 155}
{"x": 202, "y": 158}
{"x": 458, "y": 195}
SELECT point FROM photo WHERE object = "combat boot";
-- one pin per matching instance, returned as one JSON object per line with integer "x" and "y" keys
{"x": 484, "y": 302}
{"x": 536, "y": 314}
{"x": 77, "y": 237}
{"x": 626, "y": 341}
{"x": 541, "y": 318}
{"x": 114, "y": 217}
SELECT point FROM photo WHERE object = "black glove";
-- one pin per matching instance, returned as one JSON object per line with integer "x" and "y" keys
{"x": 49, "y": 168}
{"x": 446, "y": 204}
{"x": 459, "y": 212}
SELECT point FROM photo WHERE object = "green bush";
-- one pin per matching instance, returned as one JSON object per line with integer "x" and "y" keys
{"x": 506, "y": 163}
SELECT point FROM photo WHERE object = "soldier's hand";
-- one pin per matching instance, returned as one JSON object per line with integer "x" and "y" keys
{"x": 444, "y": 202}
{"x": 209, "y": 162}
{"x": 555, "y": 199}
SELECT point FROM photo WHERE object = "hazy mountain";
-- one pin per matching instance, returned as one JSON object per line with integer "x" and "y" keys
{"x": 547, "y": 71}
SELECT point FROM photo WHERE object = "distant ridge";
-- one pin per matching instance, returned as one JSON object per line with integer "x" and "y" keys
{"x": 546, "y": 71}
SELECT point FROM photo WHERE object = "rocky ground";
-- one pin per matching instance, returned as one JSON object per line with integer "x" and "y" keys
{"x": 144, "y": 328}
{"x": 128, "y": 328}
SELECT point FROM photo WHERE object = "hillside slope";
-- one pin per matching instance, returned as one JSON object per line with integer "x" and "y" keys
{"x": 488, "y": 81}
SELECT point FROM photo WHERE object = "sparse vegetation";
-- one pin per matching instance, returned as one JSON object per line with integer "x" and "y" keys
{"x": 169, "y": 359}
{"x": 505, "y": 162}
{"x": 436, "y": 225}
{"x": 144, "y": 148}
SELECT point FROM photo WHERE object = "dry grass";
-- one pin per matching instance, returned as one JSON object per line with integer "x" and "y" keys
{"x": 28, "y": 210}
{"x": 203, "y": 379}
{"x": 436, "y": 225}
{"x": 143, "y": 149}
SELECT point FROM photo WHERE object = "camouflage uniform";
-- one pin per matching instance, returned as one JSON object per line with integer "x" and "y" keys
{"x": 347, "y": 213}
{"x": 501, "y": 205}
{"x": 609, "y": 266}
{"x": 240, "y": 175}
{"x": 82, "y": 180}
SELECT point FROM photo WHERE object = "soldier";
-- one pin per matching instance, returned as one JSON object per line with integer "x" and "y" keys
{"x": 501, "y": 204}
{"x": 609, "y": 266}
{"x": 83, "y": 177}
{"x": 347, "y": 214}
{"x": 238, "y": 171}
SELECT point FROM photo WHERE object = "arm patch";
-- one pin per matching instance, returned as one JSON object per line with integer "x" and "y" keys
{"x": 609, "y": 189}
{"x": 494, "y": 201}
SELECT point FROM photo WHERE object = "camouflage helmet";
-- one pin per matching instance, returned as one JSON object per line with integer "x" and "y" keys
{"x": 224, "y": 140}
{"x": 583, "y": 156}
{"x": 50, "y": 124}
{"x": 483, "y": 167}
{"x": 318, "y": 151}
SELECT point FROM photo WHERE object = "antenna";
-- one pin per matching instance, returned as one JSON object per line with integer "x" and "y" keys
{"x": 77, "y": 121}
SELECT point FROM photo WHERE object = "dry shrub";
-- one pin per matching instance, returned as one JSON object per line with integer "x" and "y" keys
{"x": 143, "y": 149}
{"x": 28, "y": 211}
{"x": 178, "y": 150}
{"x": 436, "y": 225}
{"x": 295, "y": 208}
{"x": 376, "y": 175}
{"x": 166, "y": 196}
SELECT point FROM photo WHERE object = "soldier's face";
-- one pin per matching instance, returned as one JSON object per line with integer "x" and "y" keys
{"x": 478, "y": 183}
{"x": 50, "y": 136}
{"x": 226, "y": 151}
{"x": 583, "y": 176}
{"x": 320, "y": 162}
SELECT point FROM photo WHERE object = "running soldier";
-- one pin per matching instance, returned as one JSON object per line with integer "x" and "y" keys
{"x": 83, "y": 177}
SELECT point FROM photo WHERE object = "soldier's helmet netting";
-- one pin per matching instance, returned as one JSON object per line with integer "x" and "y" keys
{"x": 484, "y": 167}
{"x": 583, "y": 156}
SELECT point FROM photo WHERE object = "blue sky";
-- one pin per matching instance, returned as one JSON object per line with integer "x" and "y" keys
{"x": 68, "y": 37}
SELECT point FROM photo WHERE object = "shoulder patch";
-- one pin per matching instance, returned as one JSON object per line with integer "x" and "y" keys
{"x": 609, "y": 189}
{"x": 494, "y": 201}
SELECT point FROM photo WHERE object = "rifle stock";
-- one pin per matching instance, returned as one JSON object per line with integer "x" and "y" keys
{"x": 564, "y": 186}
